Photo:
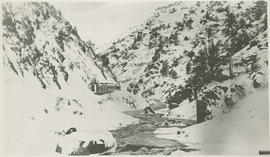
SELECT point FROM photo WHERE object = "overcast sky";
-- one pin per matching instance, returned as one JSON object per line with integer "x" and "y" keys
{"x": 102, "y": 22}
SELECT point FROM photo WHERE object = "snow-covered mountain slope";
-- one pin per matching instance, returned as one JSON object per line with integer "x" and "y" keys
{"x": 222, "y": 97}
{"x": 38, "y": 40}
{"x": 47, "y": 70}
{"x": 184, "y": 51}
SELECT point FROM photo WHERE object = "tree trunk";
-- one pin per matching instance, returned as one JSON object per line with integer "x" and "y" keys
{"x": 231, "y": 66}
{"x": 201, "y": 108}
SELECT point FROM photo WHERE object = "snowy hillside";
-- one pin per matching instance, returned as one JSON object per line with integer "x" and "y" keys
{"x": 243, "y": 131}
{"x": 192, "y": 74}
{"x": 38, "y": 40}
{"x": 186, "y": 50}
{"x": 47, "y": 70}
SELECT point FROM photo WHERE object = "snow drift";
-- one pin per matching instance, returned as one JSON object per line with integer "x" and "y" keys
{"x": 243, "y": 131}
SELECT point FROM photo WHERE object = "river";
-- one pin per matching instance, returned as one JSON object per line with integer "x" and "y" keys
{"x": 139, "y": 139}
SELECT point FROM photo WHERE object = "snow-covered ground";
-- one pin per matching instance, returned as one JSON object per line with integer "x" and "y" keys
{"x": 126, "y": 100}
{"x": 243, "y": 131}
{"x": 46, "y": 84}
{"x": 186, "y": 110}
{"x": 47, "y": 70}
{"x": 29, "y": 130}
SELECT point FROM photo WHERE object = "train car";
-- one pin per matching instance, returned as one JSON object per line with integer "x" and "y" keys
{"x": 103, "y": 88}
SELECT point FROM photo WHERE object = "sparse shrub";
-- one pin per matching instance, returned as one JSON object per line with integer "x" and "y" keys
{"x": 176, "y": 62}
{"x": 164, "y": 70}
{"x": 173, "y": 39}
{"x": 173, "y": 74}
{"x": 147, "y": 93}
{"x": 71, "y": 66}
{"x": 105, "y": 60}
{"x": 173, "y": 10}
{"x": 30, "y": 35}
{"x": 156, "y": 56}
{"x": 221, "y": 9}
{"x": 179, "y": 26}
{"x": 190, "y": 54}
{"x": 133, "y": 88}
{"x": 189, "y": 23}
{"x": 60, "y": 39}
{"x": 65, "y": 74}
{"x": 253, "y": 43}
{"x": 140, "y": 81}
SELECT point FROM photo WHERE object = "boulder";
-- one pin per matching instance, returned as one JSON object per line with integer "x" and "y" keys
{"x": 86, "y": 143}
{"x": 168, "y": 151}
{"x": 142, "y": 151}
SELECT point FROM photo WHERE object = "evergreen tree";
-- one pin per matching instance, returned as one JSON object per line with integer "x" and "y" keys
{"x": 230, "y": 30}
{"x": 260, "y": 8}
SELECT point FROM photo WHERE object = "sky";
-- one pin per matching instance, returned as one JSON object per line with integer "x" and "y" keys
{"x": 102, "y": 21}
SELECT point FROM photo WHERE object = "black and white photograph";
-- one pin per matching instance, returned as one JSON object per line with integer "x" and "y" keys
{"x": 152, "y": 77}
